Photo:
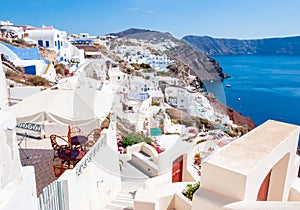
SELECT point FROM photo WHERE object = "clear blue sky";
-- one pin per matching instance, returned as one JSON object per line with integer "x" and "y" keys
{"x": 217, "y": 18}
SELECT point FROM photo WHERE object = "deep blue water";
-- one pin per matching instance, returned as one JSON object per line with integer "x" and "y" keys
{"x": 263, "y": 87}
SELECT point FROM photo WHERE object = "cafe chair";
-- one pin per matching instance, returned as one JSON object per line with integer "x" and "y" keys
{"x": 92, "y": 138}
{"x": 65, "y": 156}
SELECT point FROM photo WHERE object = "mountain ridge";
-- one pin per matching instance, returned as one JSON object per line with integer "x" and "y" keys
{"x": 200, "y": 64}
{"x": 264, "y": 46}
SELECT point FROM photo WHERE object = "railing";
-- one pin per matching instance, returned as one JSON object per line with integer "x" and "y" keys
{"x": 37, "y": 130}
{"x": 82, "y": 164}
{"x": 54, "y": 196}
{"x": 31, "y": 126}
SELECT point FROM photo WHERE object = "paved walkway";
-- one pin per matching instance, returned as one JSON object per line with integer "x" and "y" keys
{"x": 38, "y": 153}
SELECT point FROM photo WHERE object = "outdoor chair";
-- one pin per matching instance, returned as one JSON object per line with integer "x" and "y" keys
{"x": 65, "y": 156}
{"x": 92, "y": 138}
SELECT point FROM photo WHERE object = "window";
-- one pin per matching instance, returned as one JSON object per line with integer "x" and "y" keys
{"x": 47, "y": 44}
{"x": 61, "y": 43}
{"x": 119, "y": 77}
{"x": 57, "y": 35}
{"x": 40, "y": 43}
{"x": 55, "y": 43}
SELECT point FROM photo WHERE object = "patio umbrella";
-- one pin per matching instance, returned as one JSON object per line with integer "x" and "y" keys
{"x": 75, "y": 107}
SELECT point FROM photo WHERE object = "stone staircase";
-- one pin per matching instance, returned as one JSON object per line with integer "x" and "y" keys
{"x": 124, "y": 199}
{"x": 132, "y": 179}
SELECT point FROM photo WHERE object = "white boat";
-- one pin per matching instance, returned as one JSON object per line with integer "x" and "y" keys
{"x": 227, "y": 85}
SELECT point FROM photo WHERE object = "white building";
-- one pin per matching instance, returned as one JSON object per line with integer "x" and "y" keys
{"x": 56, "y": 40}
{"x": 194, "y": 104}
{"x": 7, "y": 23}
{"x": 86, "y": 38}
{"x": 140, "y": 87}
{"x": 32, "y": 64}
{"x": 257, "y": 171}
{"x": 160, "y": 63}
{"x": 15, "y": 31}
{"x": 260, "y": 166}
{"x": 178, "y": 97}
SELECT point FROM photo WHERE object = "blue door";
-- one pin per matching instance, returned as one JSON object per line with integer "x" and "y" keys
{"x": 58, "y": 46}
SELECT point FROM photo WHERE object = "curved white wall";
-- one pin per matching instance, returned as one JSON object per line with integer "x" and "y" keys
{"x": 7, "y": 52}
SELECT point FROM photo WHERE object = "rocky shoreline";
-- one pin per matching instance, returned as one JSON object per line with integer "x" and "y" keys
{"x": 235, "y": 116}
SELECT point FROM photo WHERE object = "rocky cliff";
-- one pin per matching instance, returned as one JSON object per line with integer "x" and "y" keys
{"x": 235, "y": 116}
{"x": 270, "y": 46}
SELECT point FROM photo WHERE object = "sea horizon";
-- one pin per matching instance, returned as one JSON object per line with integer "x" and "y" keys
{"x": 262, "y": 87}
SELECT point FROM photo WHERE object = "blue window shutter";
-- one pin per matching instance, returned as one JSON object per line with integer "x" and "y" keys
{"x": 40, "y": 43}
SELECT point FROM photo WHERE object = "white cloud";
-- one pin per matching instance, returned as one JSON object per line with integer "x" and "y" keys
{"x": 133, "y": 9}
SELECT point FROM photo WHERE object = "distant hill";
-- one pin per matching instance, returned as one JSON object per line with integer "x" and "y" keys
{"x": 269, "y": 46}
{"x": 130, "y": 32}
{"x": 201, "y": 65}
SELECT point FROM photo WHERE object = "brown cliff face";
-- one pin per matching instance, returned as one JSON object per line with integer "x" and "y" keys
{"x": 235, "y": 116}
{"x": 239, "y": 119}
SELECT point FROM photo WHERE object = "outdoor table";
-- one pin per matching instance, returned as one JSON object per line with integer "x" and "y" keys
{"x": 78, "y": 140}
{"x": 71, "y": 154}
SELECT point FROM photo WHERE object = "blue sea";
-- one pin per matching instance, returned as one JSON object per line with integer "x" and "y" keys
{"x": 262, "y": 87}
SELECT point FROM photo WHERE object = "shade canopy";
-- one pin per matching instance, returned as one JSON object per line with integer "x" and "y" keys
{"x": 78, "y": 107}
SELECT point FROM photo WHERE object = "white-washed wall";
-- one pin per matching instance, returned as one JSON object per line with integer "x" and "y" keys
{"x": 3, "y": 88}
{"x": 17, "y": 184}
{"x": 95, "y": 180}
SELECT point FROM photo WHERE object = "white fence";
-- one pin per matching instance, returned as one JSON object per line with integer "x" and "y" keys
{"x": 53, "y": 196}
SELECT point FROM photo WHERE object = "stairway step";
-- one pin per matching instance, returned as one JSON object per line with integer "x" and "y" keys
{"x": 124, "y": 199}
{"x": 125, "y": 195}
{"x": 118, "y": 207}
{"x": 130, "y": 197}
{"x": 123, "y": 203}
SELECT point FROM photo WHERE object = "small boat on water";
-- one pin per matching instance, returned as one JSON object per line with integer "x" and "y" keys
{"x": 227, "y": 85}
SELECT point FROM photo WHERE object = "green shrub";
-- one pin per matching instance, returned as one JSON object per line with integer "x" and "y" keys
{"x": 132, "y": 139}
{"x": 190, "y": 190}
